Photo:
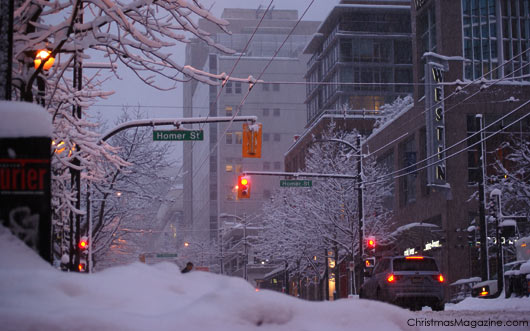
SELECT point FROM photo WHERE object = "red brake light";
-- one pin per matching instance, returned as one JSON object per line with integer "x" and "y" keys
{"x": 441, "y": 278}
{"x": 391, "y": 278}
{"x": 414, "y": 257}
{"x": 484, "y": 293}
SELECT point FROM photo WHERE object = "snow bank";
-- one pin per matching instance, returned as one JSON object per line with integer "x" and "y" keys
{"x": 24, "y": 119}
{"x": 33, "y": 295}
{"x": 498, "y": 304}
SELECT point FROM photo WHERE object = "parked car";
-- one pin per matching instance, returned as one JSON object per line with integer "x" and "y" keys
{"x": 407, "y": 281}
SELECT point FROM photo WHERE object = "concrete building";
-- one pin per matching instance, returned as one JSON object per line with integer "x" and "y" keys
{"x": 357, "y": 55}
{"x": 212, "y": 166}
{"x": 460, "y": 51}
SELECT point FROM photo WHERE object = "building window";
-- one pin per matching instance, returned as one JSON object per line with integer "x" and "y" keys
{"x": 473, "y": 155}
{"x": 276, "y": 137}
{"x": 480, "y": 43}
{"x": 386, "y": 163}
{"x": 228, "y": 87}
{"x": 266, "y": 194}
{"x": 228, "y": 110}
{"x": 229, "y": 138}
{"x": 238, "y": 87}
{"x": 265, "y": 86}
{"x": 266, "y": 137}
{"x": 229, "y": 168}
{"x": 266, "y": 165}
{"x": 408, "y": 164}
{"x": 266, "y": 112}
{"x": 426, "y": 29}
{"x": 276, "y": 87}
{"x": 276, "y": 112}
{"x": 239, "y": 137}
{"x": 277, "y": 165}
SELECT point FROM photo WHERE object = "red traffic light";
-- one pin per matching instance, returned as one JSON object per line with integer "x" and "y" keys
{"x": 370, "y": 243}
{"x": 243, "y": 187}
{"x": 83, "y": 243}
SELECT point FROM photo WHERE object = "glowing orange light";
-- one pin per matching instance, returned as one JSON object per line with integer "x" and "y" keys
{"x": 244, "y": 181}
{"x": 81, "y": 267}
{"x": 391, "y": 278}
{"x": 414, "y": 257}
{"x": 441, "y": 278}
{"x": 186, "y": 244}
{"x": 523, "y": 245}
{"x": 483, "y": 293}
{"x": 44, "y": 55}
{"x": 257, "y": 289}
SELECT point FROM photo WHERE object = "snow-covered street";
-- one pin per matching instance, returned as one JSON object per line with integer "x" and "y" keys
{"x": 35, "y": 296}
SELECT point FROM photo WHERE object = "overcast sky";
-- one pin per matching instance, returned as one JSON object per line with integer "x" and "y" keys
{"x": 130, "y": 91}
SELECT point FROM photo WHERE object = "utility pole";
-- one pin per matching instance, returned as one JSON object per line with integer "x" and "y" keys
{"x": 496, "y": 194}
{"x": 6, "y": 50}
{"x": 361, "y": 212}
{"x": 484, "y": 257}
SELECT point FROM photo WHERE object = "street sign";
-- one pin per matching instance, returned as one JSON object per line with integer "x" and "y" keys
{"x": 178, "y": 135}
{"x": 296, "y": 183}
{"x": 167, "y": 255}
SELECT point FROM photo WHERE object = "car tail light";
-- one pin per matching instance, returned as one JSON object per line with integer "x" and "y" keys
{"x": 440, "y": 278}
{"x": 414, "y": 257}
{"x": 484, "y": 292}
{"x": 391, "y": 278}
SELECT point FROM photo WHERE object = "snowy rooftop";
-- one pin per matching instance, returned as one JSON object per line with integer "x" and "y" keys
{"x": 24, "y": 119}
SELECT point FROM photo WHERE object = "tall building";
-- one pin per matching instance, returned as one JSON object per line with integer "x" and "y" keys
{"x": 359, "y": 52}
{"x": 212, "y": 166}
{"x": 467, "y": 65}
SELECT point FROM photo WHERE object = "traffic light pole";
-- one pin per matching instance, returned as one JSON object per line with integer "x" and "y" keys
{"x": 361, "y": 213}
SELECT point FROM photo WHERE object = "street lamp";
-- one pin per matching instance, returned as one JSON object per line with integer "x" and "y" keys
{"x": 245, "y": 249}
{"x": 44, "y": 55}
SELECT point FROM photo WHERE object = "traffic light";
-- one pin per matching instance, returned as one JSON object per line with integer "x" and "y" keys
{"x": 369, "y": 262}
{"x": 83, "y": 244}
{"x": 243, "y": 187}
{"x": 370, "y": 244}
{"x": 81, "y": 267}
{"x": 252, "y": 140}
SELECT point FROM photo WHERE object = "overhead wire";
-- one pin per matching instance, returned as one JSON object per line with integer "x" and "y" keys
{"x": 395, "y": 174}
{"x": 238, "y": 109}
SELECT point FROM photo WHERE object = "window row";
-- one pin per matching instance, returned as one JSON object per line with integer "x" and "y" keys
{"x": 237, "y": 137}
{"x": 235, "y": 87}
{"x": 275, "y": 112}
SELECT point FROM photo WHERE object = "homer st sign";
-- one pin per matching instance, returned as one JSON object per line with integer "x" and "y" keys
{"x": 178, "y": 135}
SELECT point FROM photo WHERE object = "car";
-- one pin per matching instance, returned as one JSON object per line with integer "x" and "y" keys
{"x": 407, "y": 281}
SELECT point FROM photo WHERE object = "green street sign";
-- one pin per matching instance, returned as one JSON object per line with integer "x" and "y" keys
{"x": 166, "y": 255}
{"x": 178, "y": 135}
{"x": 296, "y": 183}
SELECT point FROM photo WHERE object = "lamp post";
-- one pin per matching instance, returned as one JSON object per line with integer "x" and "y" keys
{"x": 360, "y": 210}
{"x": 243, "y": 221}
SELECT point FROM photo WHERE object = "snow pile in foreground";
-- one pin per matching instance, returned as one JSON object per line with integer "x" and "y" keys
{"x": 34, "y": 296}
{"x": 500, "y": 303}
